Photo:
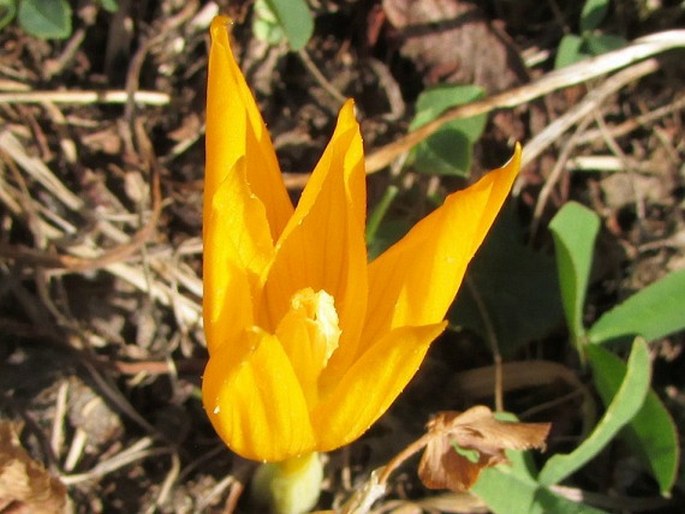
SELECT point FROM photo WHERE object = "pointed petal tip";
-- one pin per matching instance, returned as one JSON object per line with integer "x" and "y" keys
{"x": 347, "y": 116}
{"x": 219, "y": 27}
{"x": 515, "y": 159}
{"x": 349, "y": 104}
{"x": 501, "y": 179}
{"x": 513, "y": 165}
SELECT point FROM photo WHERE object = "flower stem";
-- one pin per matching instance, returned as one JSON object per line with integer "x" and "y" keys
{"x": 291, "y": 486}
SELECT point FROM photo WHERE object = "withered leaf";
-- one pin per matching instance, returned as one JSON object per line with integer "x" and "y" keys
{"x": 106, "y": 140}
{"x": 25, "y": 485}
{"x": 452, "y": 41}
{"x": 461, "y": 444}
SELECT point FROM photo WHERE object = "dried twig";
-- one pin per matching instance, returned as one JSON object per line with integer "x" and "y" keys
{"x": 140, "y": 450}
{"x": 585, "y": 108}
{"x": 627, "y": 126}
{"x": 591, "y": 102}
{"x": 492, "y": 340}
{"x": 167, "y": 485}
{"x": 320, "y": 77}
{"x": 583, "y": 71}
{"x": 112, "y": 96}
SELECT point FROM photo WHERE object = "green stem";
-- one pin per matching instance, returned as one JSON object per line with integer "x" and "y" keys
{"x": 379, "y": 212}
{"x": 291, "y": 486}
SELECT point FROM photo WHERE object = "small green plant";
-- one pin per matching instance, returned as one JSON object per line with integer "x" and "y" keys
{"x": 275, "y": 20}
{"x": 449, "y": 151}
{"x": 650, "y": 314}
{"x": 632, "y": 412}
{"x": 44, "y": 19}
{"x": 8, "y": 10}
{"x": 590, "y": 42}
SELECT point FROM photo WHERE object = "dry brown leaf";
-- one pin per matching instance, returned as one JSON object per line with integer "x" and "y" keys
{"x": 461, "y": 444}
{"x": 452, "y": 41}
{"x": 25, "y": 485}
{"x": 106, "y": 140}
{"x": 191, "y": 125}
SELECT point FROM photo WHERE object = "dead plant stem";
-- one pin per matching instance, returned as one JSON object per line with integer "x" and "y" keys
{"x": 492, "y": 340}
{"x": 111, "y": 96}
{"x": 583, "y": 71}
{"x": 582, "y": 111}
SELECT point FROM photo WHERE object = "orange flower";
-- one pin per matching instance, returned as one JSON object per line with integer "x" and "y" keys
{"x": 309, "y": 343}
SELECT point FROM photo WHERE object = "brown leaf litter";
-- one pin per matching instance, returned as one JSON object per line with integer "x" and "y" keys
{"x": 26, "y": 487}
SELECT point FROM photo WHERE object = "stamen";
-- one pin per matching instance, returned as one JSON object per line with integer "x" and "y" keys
{"x": 319, "y": 310}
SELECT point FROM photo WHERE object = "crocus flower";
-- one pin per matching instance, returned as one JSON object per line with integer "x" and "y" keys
{"x": 308, "y": 342}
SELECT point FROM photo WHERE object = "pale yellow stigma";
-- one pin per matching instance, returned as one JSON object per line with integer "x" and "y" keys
{"x": 321, "y": 317}
{"x": 310, "y": 334}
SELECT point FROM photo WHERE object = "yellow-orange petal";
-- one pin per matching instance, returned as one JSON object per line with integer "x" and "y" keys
{"x": 255, "y": 402}
{"x": 372, "y": 383}
{"x": 237, "y": 248}
{"x": 323, "y": 245}
{"x": 415, "y": 281}
{"x": 235, "y": 129}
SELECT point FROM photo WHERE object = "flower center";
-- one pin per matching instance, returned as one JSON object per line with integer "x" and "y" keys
{"x": 310, "y": 334}
{"x": 318, "y": 309}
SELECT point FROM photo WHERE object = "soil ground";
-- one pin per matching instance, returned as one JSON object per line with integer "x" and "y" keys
{"x": 101, "y": 351}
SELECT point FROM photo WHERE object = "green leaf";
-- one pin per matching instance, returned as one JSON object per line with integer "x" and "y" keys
{"x": 473, "y": 456}
{"x": 434, "y": 101}
{"x": 574, "y": 229}
{"x": 624, "y": 406}
{"x": 295, "y": 19}
{"x": 265, "y": 25}
{"x": 651, "y": 432}
{"x": 46, "y": 19}
{"x": 8, "y": 10}
{"x": 653, "y": 312}
{"x": 511, "y": 289}
{"x": 509, "y": 488}
{"x": 109, "y": 5}
{"x": 569, "y": 51}
{"x": 593, "y": 13}
{"x": 449, "y": 151}
{"x": 598, "y": 44}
